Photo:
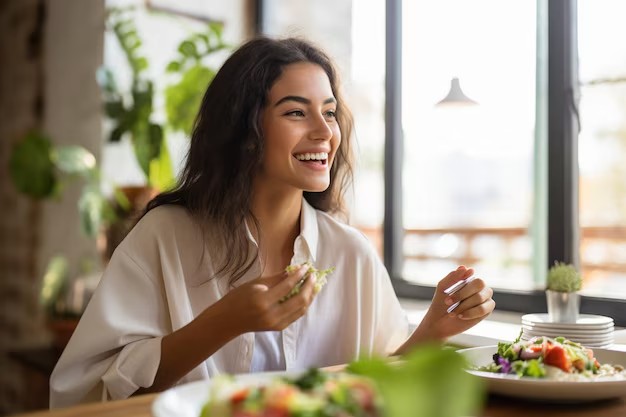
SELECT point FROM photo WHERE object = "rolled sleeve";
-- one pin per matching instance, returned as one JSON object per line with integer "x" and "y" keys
{"x": 116, "y": 347}
{"x": 135, "y": 367}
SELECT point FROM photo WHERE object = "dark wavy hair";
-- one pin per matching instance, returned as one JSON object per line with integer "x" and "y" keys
{"x": 227, "y": 148}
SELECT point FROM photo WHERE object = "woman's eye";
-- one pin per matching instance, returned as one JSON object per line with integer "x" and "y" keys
{"x": 331, "y": 114}
{"x": 297, "y": 113}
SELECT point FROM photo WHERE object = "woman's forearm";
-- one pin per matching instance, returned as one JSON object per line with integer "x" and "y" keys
{"x": 422, "y": 334}
{"x": 186, "y": 348}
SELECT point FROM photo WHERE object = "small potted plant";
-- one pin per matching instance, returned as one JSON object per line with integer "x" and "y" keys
{"x": 564, "y": 282}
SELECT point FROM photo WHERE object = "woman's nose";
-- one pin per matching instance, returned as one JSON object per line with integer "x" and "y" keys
{"x": 321, "y": 130}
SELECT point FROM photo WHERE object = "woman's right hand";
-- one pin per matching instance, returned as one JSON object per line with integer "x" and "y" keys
{"x": 252, "y": 307}
{"x": 256, "y": 305}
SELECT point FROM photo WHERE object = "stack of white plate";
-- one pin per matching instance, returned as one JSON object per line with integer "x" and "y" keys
{"x": 589, "y": 330}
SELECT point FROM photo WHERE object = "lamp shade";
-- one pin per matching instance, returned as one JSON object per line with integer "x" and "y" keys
{"x": 456, "y": 96}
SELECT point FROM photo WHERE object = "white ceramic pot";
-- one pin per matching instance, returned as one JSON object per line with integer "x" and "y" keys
{"x": 563, "y": 307}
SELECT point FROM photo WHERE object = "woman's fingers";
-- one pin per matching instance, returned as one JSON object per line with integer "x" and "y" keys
{"x": 453, "y": 277}
{"x": 285, "y": 283}
{"x": 473, "y": 286}
{"x": 296, "y": 306}
{"x": 472, "y": 305}
{"x": 479, "y": 311}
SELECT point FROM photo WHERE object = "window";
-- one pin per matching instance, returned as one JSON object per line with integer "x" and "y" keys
{"x": 495, "y": 185}
{"x": 548, "y": 208}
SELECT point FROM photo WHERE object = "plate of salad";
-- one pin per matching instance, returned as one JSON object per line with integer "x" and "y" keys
{"x": 273, "y": 395}
{"x": 417, "y": 386}
{"x": 545, "y": 368}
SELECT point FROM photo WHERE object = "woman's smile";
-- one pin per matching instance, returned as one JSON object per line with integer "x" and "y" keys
{"x": 313, "y": 160}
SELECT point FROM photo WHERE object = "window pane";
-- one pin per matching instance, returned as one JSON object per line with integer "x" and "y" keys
{"x": 468, "y": 169}
{"x": 602, "y": 147}
{"x": 354, "y": 35}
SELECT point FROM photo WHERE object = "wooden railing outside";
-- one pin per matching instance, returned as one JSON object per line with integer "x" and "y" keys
{"x": 613, "y": 240}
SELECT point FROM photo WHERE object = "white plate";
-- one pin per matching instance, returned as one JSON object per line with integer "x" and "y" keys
{"x": 545, "y": 389}
{"x": 586, "y": 330}
{"x": 581, "y": 332}
{"x": 579, "y": 339}
{"x": 584, "y": 321}
{"x": 586, "y": 343}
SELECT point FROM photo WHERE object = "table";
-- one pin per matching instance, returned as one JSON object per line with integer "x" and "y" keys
{"x": 496, "y": 406}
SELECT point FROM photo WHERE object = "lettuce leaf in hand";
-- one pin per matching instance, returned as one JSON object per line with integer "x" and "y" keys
{"x": 320, "y": 278}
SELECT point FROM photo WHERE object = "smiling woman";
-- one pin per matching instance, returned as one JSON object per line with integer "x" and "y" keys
{"x": 200, "y": 287}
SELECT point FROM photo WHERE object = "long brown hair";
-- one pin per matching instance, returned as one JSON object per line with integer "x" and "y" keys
{"x": 227, "y": 147}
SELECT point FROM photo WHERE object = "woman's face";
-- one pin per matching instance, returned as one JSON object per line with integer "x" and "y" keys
{"x": 300, "y": 130}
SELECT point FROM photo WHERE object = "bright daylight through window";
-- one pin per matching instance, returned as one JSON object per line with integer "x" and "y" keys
{"x": 602, "y": 147}
{"x": 468, "y": 168}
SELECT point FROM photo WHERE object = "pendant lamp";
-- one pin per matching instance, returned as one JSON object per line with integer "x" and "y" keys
{"x": 456, "y": 96}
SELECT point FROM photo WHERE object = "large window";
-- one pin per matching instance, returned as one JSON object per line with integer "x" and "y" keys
{"x": 508, "y": 184}
{"x": 531, "y": 173}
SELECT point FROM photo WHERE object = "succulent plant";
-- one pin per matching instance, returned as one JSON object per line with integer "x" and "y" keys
{"x": 564, "y": 277}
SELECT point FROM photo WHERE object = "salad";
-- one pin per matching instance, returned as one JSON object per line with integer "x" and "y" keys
{"x": 320, "y": 278}
{"x": 313, "y": 394}
{"x": 557, "y": 358}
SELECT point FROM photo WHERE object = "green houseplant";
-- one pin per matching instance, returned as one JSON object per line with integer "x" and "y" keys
{"x": 563, "y": 284}
{"x": 183, "y": 97}
{"x": 131, "y": 111}
{"x": 41, "y": 170}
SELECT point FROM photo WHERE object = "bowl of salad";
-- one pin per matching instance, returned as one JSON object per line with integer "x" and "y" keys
{"x": 547, "y": 368}
{"x": 419, "y": 385}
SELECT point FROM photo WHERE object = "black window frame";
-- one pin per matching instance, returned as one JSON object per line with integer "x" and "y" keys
{"x": 562, "y": 234}
{"x": 562, "y": 117}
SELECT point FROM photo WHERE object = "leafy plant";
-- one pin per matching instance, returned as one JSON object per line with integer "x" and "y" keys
{"x": 53, "y": 284}
{"x": 564, "y": 277}
{"x": 41, "y": 170}
{"x": 429, "y": 382}
{"x": 183, "y": 98}
{"x": 131, "y": 113}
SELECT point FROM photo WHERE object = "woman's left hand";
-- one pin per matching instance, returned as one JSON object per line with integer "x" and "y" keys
{"x": 475, "y": 303}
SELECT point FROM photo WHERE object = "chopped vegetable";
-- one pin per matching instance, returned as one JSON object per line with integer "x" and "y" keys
{"x": 320, "y": 278}
{"x": 535, "y": 357}
{"x": 314, "y": 394}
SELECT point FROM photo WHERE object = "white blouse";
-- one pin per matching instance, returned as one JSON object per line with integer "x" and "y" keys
{"x": 156, "y": 283}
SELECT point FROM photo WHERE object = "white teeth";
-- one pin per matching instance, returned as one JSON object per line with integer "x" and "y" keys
{"x": 320, "y": 156}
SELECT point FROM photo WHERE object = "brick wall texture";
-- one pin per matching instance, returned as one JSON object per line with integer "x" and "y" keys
{"x": 21, "y": 109}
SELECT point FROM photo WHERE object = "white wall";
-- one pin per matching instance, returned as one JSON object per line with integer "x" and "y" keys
{"x": 73, "y": 51}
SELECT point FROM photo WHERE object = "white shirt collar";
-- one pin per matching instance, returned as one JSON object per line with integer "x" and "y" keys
{"x": 309, "y": 230}
{"x": 305, "y": 245}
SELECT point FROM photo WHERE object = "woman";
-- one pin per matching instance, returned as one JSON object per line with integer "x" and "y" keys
{"x": 198, "y": 287}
